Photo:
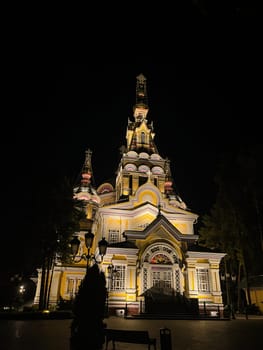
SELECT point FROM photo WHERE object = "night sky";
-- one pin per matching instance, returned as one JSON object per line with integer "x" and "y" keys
{"x": 200, "y": 107}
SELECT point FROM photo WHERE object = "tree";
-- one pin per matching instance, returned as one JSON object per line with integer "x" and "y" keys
{"x": 234, "y": 224}
{"x": 57, "y": 218}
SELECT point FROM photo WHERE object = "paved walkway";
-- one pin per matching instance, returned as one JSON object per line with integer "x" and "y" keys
{"x": 216, "y": 334}
{"x": 239, "y": 334}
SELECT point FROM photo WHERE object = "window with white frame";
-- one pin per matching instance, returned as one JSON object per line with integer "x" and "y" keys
{"x": 203, "y": 280}
{"x": 114, "y": 236}
{"x": 72, "y": 286}
{"x": 118, "y": 278}
{"x": 162, "y": 279}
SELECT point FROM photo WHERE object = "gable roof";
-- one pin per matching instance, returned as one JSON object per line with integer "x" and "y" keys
{"x": 159, "y": 221}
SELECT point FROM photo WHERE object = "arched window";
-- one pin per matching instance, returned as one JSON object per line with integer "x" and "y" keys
{"x": 160, "y": 259}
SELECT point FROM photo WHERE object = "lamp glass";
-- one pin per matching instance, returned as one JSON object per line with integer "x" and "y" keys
{"x": 103, "y": 244}
{"x": 75, "y": 242}
{"x": 89, "y": 236}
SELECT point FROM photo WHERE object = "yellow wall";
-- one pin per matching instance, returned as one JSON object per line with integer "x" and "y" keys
{"x": 257, "y": 298}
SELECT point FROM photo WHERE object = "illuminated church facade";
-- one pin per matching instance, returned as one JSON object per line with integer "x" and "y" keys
{"x": 149, "y": 229}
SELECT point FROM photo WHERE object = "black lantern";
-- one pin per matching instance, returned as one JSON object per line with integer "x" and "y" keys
{"x": 75, "y": 243}
{"x": 103, "y": 244}
{"x": 89, "y": 237}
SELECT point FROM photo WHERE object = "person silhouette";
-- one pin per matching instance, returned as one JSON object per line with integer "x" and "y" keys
{"x": 87, "y": 326}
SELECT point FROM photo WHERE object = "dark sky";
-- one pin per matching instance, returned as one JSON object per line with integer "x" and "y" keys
{"x": 200, "y": 107}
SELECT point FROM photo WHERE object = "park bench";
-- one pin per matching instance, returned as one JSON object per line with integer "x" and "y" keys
{"x": 129, "y": 336}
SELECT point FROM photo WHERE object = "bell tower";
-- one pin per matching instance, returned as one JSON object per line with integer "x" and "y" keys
{"x": 142, "y": 162}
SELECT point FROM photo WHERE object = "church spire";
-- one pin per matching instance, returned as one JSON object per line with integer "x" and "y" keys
{"x": 141, "y": 107}
{"x": 86, "y": 180}
{"x": 140, "y": 134}
{"x": 86, "y": 193}
{"x": 86, "y": 174}
{"x": 141, "y": 91}
{"x": 85, "y": 190}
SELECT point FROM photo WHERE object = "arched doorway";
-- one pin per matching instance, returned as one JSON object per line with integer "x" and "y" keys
{"x": 162, "y": 280}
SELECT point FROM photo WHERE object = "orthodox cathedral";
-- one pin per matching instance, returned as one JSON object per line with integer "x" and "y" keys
{"x": 152, "y": 253}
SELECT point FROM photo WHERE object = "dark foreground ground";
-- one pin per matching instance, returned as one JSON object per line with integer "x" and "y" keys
{"x": 54, "y": 334}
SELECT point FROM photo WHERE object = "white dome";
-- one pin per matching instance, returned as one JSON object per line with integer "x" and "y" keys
{"x": 155, "y": 156}
{"x": 132, "y": 154}
{"x": 157, "y": 170}
{"x": 143, "y": 168}
{"x": 144, "y": 155}
{"x": 130, "y": 167}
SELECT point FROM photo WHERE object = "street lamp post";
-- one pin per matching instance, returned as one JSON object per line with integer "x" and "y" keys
{"x": 229, "y": 279}
{"x": 19, "y": 290}
{"x": 22, "y": 289}
{"x": 87, "y": 326}
{"x": 89, "y": 237}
